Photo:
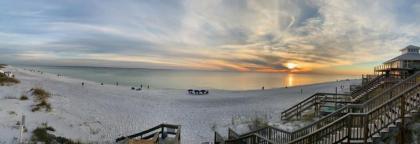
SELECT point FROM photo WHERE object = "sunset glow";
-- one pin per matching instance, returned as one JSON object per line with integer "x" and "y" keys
{"x": 311, "y": 36}
{"x": 291, "y": 65}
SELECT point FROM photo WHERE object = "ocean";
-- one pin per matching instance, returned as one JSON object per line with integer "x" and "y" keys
{"x": 188, "y": 79}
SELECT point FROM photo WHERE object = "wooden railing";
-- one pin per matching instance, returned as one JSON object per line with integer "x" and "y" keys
{"x": 314, "y": 100}
{"x": 164, "y": 130}
{"x": 366, "y": 106}
{"x": 360, "y": 121}
{"x": 266, "y": 135}
{"x": 297, "y": 109}
{"x": 372, "y": 83}
{"x": 371, "y": 119}
{"x": 376, "y": 89}
{"x": 218, "y": 139}
{"x": 251, "y": 139}
{"x": 232, "y": 134}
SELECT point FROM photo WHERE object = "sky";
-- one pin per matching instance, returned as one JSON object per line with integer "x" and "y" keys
{"x": 313, "y": 36}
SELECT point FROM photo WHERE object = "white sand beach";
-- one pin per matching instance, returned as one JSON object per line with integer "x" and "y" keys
{"x": 102, "y": 113}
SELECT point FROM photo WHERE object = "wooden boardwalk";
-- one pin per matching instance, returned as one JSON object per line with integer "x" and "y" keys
{"x": 382, "y": 103}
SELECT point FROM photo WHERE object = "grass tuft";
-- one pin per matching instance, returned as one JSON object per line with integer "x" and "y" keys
{"x": 6, "y": 81}
{"x": 40, "y": 93}
{"x": 41, "y": 135}
{"x": 23, "y": 97}
{"x": 41, "y": 98}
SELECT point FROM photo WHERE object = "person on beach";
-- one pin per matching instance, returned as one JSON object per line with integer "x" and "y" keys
{"x": 83, "y": 84}
{"x": 148, "y": 86}
{"x": 262, "y": 88}
{"x": 141, "y": 86}
{"x": 116, "y": 83}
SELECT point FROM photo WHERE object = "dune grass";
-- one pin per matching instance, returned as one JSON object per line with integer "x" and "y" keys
{"x": 41, "y": 134}
{"x": 23, "y": 97}
{"x": 5, "y": 80}
{"x": 41, "y": 100}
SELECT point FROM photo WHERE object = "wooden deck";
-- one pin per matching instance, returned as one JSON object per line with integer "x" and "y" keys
{"x": 353, "y": 123}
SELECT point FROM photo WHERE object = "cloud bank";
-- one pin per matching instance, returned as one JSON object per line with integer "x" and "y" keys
{"x": 253, "y": 35}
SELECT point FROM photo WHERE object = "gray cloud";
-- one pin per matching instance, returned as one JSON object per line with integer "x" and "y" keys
{"x": 248, "y": 34}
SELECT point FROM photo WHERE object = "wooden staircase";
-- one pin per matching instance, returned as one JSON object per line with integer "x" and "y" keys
{"x": 354, "y": 123}
{"x": 313, "y": 101}
{"x": 160, "y": 134}
{"x": 319, "y": 99}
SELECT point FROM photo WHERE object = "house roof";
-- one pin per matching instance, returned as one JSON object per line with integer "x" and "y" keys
{"x": 406, "y": 56}
{"x": 411, "y": 47}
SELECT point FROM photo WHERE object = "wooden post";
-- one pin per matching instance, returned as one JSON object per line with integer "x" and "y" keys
{"x": 366, "y": 128}
{"x": 336, "y": 98}
{"x": 22, "y": 127}
{"x": 349, "y": 126}
{"x": 402, "y": 126}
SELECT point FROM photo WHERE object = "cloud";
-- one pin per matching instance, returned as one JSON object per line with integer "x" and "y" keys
{"x": 249, "y": 35}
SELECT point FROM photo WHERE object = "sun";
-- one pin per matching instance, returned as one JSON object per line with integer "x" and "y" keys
{"x": 291, "y": 65}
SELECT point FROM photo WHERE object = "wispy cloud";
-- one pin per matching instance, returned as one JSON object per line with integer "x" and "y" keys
{"x": 239, "y": 35}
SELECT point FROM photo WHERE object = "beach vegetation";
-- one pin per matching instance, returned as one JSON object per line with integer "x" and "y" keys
{"x": 7, "y": 81}
{"x": 12, "y": 113}
{"x": 40, "y": 93}
{"x": 41, "y": 135}
{"x": 41, "y": 100}
{"x": 23, "y": 97}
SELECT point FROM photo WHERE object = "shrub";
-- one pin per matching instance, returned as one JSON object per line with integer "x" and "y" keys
{"x": 43, "y": 104}
{"x": 40, "y": 93}
{"x": 23, "y": 97}
{"x": 5, "y": 80}
{"x": 12, "y": 113}
{"x": 41, "y": 98}
{"x": 40, "y": 134}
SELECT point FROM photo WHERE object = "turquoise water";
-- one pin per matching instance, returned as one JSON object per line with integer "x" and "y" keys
{"x": 185, "y": 79}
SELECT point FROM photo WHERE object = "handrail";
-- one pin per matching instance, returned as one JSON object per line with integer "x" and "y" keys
{"x": 218, "y": 139}
{"x": 376, "y": 102}
{"x": 260, "y": 129}
{"x": 387, "y": 94}
{"x": 153, "y": 129}
{"x": 346, "y": 109}
{"x": 268, "y": 132}
{"x": 232, "y": 134}
{"x": 252, "y": 139}
{"x": 359, "y": 91}
{"x": 305, "y": 104}
{"x": 365, "y": 117}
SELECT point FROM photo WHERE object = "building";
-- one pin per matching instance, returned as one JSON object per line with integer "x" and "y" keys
{"x": 401, "y": 66}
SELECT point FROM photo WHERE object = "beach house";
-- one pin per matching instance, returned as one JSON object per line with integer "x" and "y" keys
{"x": 8, "y": 73}
{"x": 401, "y": 66}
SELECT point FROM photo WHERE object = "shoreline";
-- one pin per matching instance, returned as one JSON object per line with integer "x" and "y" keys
{"x": 129, "y": 86}
{"x": 94, "y": 112}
